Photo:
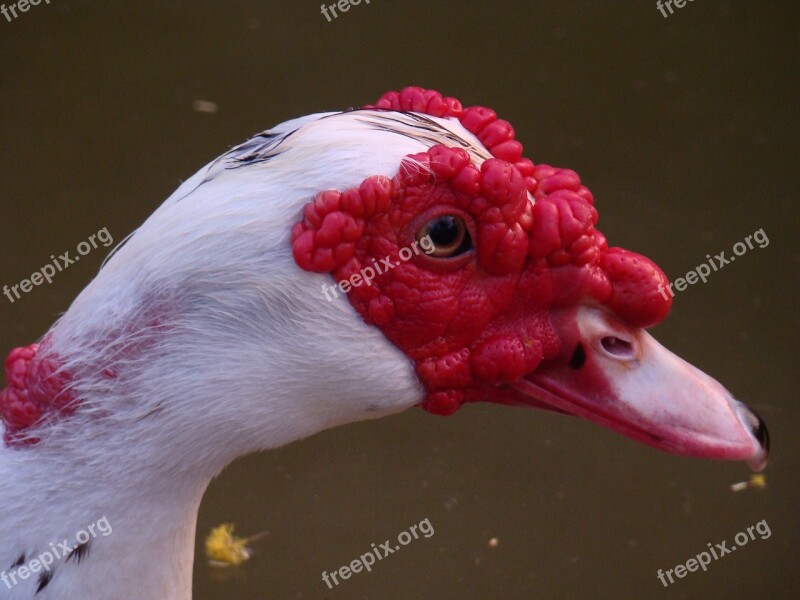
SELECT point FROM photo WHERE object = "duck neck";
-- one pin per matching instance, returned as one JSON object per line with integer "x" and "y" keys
{"x": 134, "y": 531}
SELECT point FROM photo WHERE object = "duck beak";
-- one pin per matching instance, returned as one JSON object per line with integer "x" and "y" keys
{"x": 623, "y": 379}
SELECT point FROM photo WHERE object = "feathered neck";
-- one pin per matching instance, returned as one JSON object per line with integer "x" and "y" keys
{"x": 200, "y": 341}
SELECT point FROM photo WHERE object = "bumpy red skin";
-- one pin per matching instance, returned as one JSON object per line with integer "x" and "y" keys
{"x": 483, "y": 318}
{"x": 36, "y": 390}
{"x": 468, "y": 323}
{"x": 40, "y": 389}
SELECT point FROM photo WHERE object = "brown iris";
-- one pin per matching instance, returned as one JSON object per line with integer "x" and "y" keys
{"x": 448, "y": 235}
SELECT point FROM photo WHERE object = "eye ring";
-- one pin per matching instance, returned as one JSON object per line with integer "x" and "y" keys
{"x": 445, "y": 236}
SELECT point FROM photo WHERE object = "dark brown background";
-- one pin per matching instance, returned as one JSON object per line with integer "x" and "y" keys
{"x": 685, "y": 128}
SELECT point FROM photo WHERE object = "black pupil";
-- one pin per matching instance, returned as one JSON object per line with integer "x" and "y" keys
{"x": 444, "y": 231}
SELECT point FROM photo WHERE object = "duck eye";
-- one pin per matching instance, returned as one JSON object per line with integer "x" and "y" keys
{"x": 447, "y": 235}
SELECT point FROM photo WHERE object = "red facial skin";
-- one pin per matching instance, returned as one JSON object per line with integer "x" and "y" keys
{"x": 36, "y": 390}
{"x": 469, "y": 324}
{"x": 485, "y": 318}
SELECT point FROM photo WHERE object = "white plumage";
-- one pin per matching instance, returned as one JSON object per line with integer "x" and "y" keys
{"x": 239, "y": 352}
{"x": 201, "y": 340}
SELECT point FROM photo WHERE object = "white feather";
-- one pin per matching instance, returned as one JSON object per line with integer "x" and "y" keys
{"x": 238, "y": 351}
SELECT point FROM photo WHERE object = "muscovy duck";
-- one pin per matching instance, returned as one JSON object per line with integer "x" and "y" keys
{"x": 211, "y": 332}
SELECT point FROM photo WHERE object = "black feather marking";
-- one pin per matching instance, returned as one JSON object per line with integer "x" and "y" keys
{"x": 18, "y": 562}
{"x": 152, "y": 413}
{"x": 423, "y": 128}
{"x": 44, "y": 579}
{"x": 347, "y": 110}
{"x": 80, "y": 552}
{"x": 259, "y": 148}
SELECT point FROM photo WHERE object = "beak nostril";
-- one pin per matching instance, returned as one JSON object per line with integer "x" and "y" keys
{"x": 578, "y": 357}
{"x": 617, "y": 347}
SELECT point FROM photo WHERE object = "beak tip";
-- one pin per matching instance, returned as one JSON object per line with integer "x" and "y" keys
{"x": 761, "y": 433}
{"x": 758, "y": 429}
{"x": 758, "y": 462}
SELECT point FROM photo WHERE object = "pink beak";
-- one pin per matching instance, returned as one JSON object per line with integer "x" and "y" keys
{"x": 623, "y": 379}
